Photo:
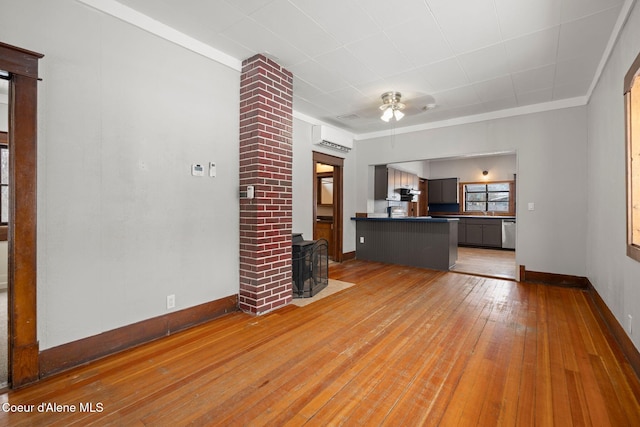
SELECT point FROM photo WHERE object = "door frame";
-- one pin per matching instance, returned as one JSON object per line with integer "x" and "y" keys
{"x": 22, "y": 66}
{"x": 338, "y": 164}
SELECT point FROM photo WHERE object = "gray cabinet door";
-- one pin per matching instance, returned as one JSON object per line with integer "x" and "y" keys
{"x": 462, "y": 231}
{"x": 474, "y": 234}
{"x": 435, "y": 191}
{"x": 492, "y": 235}
{"x": 450, "y": 190}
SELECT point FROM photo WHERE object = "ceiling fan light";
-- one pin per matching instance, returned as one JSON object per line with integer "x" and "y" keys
{"x": 398, "y": 114}
{"x": 387, "y": 114}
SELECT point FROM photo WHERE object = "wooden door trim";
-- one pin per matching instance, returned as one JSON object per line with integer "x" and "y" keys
{"x": 338, "y": 190}
{"x": 23, "y": 334}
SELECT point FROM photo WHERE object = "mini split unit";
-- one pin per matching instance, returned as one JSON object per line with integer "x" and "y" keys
{"x": 332, "y": 138}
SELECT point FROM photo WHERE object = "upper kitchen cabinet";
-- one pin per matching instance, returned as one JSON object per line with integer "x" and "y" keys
{"x": 388, "y": 182}
{"x": 384, "y": 177}
{"x": 443, "y": 191}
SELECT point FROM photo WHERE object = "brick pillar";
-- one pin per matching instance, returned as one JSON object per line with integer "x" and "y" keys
{"x": 266, "y": 126}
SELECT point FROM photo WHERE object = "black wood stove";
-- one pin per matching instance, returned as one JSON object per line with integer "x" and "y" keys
{"x": 310, "y": 259}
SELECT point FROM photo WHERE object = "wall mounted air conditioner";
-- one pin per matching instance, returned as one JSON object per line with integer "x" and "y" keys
{"x": 332, "y": 138}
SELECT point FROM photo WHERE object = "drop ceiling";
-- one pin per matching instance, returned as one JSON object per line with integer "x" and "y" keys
{"x": 470, "y": 57}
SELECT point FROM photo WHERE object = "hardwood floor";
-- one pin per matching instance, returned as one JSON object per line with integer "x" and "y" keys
{"x": 405, "y": 346}
{"x": 486, "y": 262}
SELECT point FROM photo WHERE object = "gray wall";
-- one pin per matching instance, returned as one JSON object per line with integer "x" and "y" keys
{"x": 121, "y": 223}
{"x": 612, "y": 273}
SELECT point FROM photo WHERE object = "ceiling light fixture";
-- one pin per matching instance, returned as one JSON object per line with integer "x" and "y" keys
{"x": 391, "y": 106}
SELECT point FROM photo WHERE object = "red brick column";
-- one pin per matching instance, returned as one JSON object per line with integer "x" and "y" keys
{"x": 266, "y": 93}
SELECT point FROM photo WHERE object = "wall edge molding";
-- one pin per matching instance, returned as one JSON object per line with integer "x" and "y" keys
{"x": 66, "y": 356}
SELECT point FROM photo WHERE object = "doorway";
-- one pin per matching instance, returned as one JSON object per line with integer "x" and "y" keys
{"x": 20, "y": 69}
{"x": 328, "y": 201}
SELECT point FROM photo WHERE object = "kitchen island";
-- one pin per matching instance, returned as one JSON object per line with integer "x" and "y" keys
{"x": 414, "y": 241}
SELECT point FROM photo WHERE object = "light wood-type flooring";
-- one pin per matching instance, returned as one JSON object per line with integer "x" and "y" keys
{"x": 403, "y": 347}
{"x": 486, "y": 262}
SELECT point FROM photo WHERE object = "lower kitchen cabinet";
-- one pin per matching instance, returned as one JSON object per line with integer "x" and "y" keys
{"x": 480, "y": 232}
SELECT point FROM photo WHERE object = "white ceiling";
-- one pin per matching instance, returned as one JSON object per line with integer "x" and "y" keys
{"x": 470, "y": 56}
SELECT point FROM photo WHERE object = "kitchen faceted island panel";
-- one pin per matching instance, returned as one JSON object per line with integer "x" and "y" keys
{"x": 413, "y": 241}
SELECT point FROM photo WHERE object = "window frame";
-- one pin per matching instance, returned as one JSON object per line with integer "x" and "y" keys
{"x": 632, "y": 125}
{"x": 512, "y": 198}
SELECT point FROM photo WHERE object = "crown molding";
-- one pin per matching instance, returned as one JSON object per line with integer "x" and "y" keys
{"x": 142, "y": 21}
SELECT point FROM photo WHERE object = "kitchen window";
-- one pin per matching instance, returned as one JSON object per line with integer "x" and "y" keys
{"x": 632, "y": 119}
{"x": 488, "y": 197}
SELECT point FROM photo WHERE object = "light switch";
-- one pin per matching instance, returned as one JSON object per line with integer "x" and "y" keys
{"x": 212, "y": 169}
{"x": 532, "y": 206}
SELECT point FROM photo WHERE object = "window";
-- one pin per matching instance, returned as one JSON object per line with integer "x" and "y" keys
{"x": 488, "y": 197}
{"x": 632, "y": 118}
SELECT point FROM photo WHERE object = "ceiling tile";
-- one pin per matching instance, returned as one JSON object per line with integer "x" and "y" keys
{"x": 575, "y": 9}
{"x": 245, "y": 6}
{"x": 485, "y": 63}
{"x": 304, "y": 90}
{"x": 580, "y": 68}
{"x": 535, "y": 79}
{"x": 255, "y": 37}
{"x": 586, "y": 35}
{"x": 571, "y": 90}
{"x": 387, "y": 13}
{"x": 341, "y": 59}
{"x": 467, "y": 28}
{"x": 380, "y": 55}
{"x": 410, "y": 83}
{"x": 337, "y": 18}
{"x": 535, "y": 97}
{"x": 533, "y": 50}
{"x": 445, "y": 75}
{"x": 420, "y": 40}
{"x": 288, "y": 22}
{"x": 501, "y": 104}
{"x": 316, "y": 75}
{"x": 456, "y": 97}
{"x": 522, "y": 17}
{"x": 498, "y": 88}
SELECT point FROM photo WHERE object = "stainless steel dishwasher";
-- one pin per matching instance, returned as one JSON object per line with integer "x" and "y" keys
{"x": 509, "y": 233}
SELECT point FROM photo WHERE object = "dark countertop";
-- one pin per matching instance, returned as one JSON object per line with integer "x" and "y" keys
{"x": 409, "y": 218}
{"x": 475, "y": 216}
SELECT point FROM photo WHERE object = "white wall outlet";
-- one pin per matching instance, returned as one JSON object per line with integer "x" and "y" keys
{"x": 171, "y": 301}
{"x": 361, "y": 239}
{"x": 250, "y": 191}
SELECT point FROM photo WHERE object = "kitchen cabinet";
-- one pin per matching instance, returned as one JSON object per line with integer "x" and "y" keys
{"x": 443, "y": 191}
{"x": 381, "y": 183}
{"x": 388, "y": 180}
{"x": 462, "y": 231}
{"x": 485, "y": 232}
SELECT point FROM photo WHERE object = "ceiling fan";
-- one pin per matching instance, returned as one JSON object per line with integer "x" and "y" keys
{"x": 392, "y": 107}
